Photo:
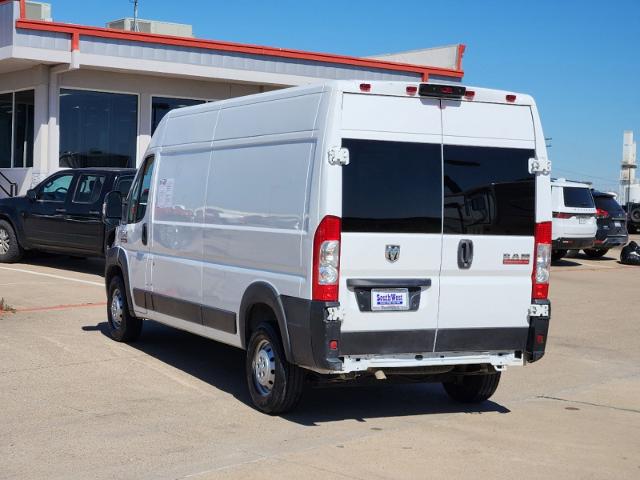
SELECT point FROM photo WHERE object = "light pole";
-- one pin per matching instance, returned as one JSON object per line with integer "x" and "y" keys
{"x": 135, "y": 15}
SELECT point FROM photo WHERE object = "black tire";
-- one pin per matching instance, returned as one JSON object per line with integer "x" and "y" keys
{"x": 10, "y": 249}
{"x": 473, "y": 388}
{"x": 591, "y": 253}
{"x": 558, "y": 255}
{"x": 123, "y": 327}
{"x": 634, "y": 215}
{"x": 283, "y": 383}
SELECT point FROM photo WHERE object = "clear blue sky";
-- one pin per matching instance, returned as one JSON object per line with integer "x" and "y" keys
{"x": 579, "y": 59}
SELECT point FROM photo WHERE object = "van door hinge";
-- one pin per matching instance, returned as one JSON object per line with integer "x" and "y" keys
{"x": 538, "y": 310}
{"x": 540, "y": 165}
{"x": 338, "y": 156}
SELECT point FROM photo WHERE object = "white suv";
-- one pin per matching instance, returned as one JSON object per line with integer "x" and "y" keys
{"x": 344, "y": 230}
{"x": 574, "y": 217}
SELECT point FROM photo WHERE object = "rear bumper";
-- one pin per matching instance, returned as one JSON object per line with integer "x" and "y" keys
{"x": 610, "y": 242}
{"x": 572, "y": 243}
{"x": 313, "y": 327}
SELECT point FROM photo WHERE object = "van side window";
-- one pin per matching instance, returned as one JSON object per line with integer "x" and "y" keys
{"x": 139, "y": 193}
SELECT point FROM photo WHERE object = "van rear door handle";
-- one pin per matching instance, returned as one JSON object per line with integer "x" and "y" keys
{"x": 465, "y": 254}
{"x": 144, "y": 234}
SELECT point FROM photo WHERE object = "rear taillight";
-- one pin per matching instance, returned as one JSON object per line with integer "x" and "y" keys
{"x": 326, "y": 259}
{"x": 542, "y": 263}
{"x": 600, "y": 213}
{"x": 562, "y": 215}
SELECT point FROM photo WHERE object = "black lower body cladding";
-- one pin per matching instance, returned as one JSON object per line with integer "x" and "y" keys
{"x": 537, "y": 336}
{"x": 311, "y": 332}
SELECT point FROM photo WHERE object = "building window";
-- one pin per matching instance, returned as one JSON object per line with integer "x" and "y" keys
{"x": 160, "y": 106}
{"x": 16, "y": 129}
{"x": 98, "y": 129}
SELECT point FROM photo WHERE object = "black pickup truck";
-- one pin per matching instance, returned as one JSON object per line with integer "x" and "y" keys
{"x": 63, "y": 214}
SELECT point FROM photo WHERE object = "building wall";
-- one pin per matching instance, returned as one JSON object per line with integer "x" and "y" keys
{"x": 47, "y": 82}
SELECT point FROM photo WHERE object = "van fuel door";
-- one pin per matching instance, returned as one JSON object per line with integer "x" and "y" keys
{"x": 338, "y": 156}
{"x": 540, "y": 165}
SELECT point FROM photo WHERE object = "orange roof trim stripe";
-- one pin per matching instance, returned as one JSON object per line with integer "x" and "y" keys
{"x": 77, "y": 31}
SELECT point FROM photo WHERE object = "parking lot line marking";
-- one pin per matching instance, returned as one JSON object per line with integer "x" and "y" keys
{"x": 60, "y": 307}
{"x": 59, "y": 277}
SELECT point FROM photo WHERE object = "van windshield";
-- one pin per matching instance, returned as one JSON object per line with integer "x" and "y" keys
{"x": 577, "y": 197}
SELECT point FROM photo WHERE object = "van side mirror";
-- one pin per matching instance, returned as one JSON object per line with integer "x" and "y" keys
{"x": 112, "y": 207}
{"x": 31, "y": 195}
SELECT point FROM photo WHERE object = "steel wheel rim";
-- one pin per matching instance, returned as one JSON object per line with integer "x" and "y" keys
{"x": 5, "y": 242}
{"x": 117, "y": 309}
{"x": 263, "y": 367}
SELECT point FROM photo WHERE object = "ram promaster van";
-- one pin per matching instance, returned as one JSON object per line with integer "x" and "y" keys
{"x": 574, "y": 217}
{"x": 345, "y": 230}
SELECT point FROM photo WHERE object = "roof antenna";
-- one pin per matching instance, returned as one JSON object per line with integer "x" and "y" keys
{"x": 136, "y": 28}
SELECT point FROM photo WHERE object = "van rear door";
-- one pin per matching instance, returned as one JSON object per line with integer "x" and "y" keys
{"x": 488, "y": 226}
{"x": 391, "y": 224}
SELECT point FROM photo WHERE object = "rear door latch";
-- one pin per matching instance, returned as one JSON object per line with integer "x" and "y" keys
{"x": 465, "y": 254}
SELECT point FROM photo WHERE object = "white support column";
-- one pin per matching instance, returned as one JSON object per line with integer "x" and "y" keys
{"x": 41, "y": 128}
{"x": 144, "y": 125}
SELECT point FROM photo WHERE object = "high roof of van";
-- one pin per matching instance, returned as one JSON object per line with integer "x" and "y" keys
{"x": 399, "y": 89}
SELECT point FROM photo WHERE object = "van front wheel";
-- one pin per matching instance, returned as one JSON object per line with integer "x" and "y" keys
{"x": 473, "y": 388}
{"x": 274, "y": 384}
{"x": 123, "y": 327}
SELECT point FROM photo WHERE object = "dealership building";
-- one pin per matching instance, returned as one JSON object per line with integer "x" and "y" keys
{"x": 78, "y": 96}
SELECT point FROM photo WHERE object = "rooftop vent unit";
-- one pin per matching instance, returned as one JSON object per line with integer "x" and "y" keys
{"x": 153, "y": 26}
{"x": 39, "y": 11}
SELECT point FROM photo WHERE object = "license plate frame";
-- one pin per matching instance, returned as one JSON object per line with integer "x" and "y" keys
{"x": 397, "y": 300}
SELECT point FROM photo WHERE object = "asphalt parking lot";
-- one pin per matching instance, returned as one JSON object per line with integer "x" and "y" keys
{"x": 74, "y": 404}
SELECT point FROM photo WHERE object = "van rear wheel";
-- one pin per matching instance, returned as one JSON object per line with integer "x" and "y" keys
{"x": 123, "y": 327}
{"x": 558, "y": 254}
{"x": 275, "y": 385}
{"x": 473, "y": 388}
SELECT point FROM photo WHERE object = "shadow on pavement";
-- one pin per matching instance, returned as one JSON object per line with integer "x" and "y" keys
{"x": 222, "y": 367}
{"x": 92, "y": 265}
{"x": 565, "y": 263}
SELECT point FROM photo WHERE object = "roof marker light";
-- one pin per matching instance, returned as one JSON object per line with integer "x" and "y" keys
{"x": 469, "y": 94}
{"x": 365, "y": 87}
{"x": 511, "y": 98}
{"x": 412, "y": 90}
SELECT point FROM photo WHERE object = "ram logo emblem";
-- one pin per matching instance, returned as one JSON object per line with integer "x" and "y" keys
{"x": 392, "y": 253}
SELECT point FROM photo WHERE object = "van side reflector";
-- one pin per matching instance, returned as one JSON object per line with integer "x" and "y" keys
{"x": 442, "y": 91}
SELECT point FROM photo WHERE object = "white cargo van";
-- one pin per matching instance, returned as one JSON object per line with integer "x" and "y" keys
{"x": 574, "y": 217}
{"x": 344, "y": 230}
